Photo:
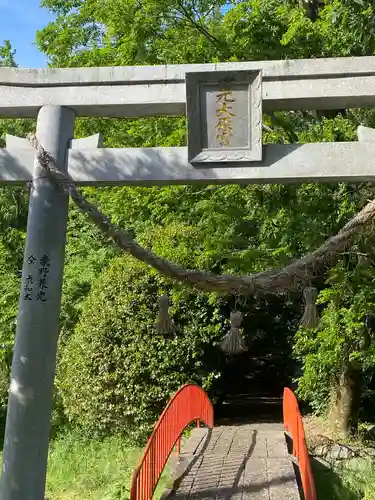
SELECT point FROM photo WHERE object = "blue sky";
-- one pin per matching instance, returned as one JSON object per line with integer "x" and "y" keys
{"x": 19, "y": 21}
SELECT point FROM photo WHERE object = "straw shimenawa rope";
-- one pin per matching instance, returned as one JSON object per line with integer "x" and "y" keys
{"x": 310, "y": 317}
{"x": 233, "y": 342}
{"x": 164, "y": 323}
{"x": 272, "y": 281}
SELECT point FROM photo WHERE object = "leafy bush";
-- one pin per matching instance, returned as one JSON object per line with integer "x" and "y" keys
{"x": 9, "y": 293}
{"x": 116, "y": 373}
{"x": 344, "y": 337}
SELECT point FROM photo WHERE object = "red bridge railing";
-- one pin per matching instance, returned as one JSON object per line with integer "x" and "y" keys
{"x": 294, "y": 426}
{"x": 189, "y": 404}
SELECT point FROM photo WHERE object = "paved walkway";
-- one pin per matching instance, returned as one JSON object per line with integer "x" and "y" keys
{"x": 237, "y": 462}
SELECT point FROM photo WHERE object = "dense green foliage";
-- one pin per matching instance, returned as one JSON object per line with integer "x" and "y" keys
{"x": 345, "y": 335}
{"x": 237, "y": 229}
{"x": 116, "y": 371}
{"x": 7, "y": 54}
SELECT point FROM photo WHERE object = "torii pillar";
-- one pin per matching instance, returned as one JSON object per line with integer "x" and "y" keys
{"x": 28, "y": 423}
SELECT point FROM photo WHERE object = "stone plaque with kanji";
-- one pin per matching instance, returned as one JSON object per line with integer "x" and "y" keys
{"x": 224, "y": 111}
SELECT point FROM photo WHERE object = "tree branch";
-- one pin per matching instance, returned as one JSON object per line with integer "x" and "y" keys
{"x": 215, "y": 41}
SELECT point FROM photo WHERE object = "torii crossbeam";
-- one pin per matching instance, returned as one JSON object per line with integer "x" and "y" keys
{"x": 224, "y": 105}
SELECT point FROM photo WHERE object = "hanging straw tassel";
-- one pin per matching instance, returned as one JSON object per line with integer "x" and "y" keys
{"x": 363, "y": 260}
{"x": 233, "y": 342}
{"x": 310, "y": 317}
{"x": 164, "y": 323}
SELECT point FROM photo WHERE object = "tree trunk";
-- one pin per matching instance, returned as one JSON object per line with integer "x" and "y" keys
{"x": 346, "y": 403}
{"x": 311, "y": 8}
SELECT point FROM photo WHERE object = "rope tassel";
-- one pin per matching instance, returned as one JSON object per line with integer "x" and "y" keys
{"x": 164, "y": 323}
{"x": 233, "y": 343}
{"x": 310, "y": 317}
{"x": 363, "y": 261}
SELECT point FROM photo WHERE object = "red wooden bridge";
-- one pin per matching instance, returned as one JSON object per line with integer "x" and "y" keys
{"x": 251, "y": 461}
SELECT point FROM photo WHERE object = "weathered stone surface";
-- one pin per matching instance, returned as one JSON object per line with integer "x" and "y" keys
{"x": 240, "y": 463}
{"x": 276, "y": 447}
{"x": 322, "y": 162}
{"x": 282, "y": 481}
{"x": 196, "y": 441}
{"x": 126, "y": 91}
{"x": 365, "y": 134}
{"x": 334, "y": 451}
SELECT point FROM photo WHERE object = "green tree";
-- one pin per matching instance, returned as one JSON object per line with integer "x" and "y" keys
{"x": 7, "y": 55}
{"x": 122, "y": 32}
{"x": 128, "y": 32}
{"x": 338, "y": 357}
{"x": 116, "y": 372}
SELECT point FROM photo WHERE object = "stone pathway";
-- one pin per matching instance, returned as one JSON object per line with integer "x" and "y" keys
{"x": 237, "y": 462}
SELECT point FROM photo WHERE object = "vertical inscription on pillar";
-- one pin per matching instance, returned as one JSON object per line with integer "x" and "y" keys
{"x": 44, "y": 267}
{"x": 28, "y": 286}
{"x": 35, "y": 285}
{"x": 224, "y": 111}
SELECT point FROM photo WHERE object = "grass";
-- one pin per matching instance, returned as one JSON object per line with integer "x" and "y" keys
{"x": 93, "y": 470}
{"x": 89, "y": 469}
{"x": 352, "y": 479}
{"x": 358, "y": 476}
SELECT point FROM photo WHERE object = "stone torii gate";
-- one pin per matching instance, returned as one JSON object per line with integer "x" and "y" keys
{"x": 224, "y": 107}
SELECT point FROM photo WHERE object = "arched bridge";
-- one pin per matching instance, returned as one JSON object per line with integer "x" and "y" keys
{"x": 252, "y": 461}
